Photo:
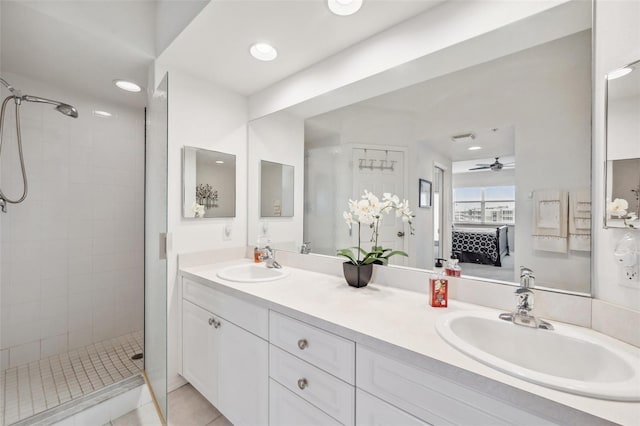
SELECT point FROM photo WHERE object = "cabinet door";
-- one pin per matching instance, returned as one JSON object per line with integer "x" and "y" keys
{"x": 200, "y": 351}
{"x": 371, "y": 411}
{"x": 288, "y": 409}
{"x": 243, "y": 376}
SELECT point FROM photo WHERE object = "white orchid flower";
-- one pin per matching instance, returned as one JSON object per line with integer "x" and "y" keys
{"x": 618, "y": 207}
{"x": 348, "y": 217}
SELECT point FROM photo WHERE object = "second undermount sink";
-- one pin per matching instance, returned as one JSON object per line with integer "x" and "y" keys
{"x": 252, "y": 273}
{"x": 567, "y": 358}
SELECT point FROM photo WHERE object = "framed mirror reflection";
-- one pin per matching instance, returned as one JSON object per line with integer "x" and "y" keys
{"x": 276, "y": 189}
{"x": 208, "y": 183}
{"x": 494, "y": 135}
{"x": 622, "y": 192}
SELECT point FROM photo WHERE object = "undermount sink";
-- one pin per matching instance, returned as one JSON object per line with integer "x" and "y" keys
{"x": 568, "y": 359}
{"x": 252, "y": 273}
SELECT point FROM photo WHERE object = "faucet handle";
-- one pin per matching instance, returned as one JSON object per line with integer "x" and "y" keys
{"x": 524, "y": 271}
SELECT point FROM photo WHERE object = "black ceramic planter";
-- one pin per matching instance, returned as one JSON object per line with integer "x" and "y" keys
{"x": 357, "y": 275}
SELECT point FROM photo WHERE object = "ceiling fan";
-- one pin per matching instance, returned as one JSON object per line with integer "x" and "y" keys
{"x": 496, "y": 166}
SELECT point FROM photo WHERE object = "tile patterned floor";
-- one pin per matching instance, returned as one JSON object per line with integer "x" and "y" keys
{"x": 32, "y": 388}
{"x": 186, "y": 408}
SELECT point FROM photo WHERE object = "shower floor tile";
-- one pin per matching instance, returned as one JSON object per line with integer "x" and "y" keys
{"x": 35, "y": 387}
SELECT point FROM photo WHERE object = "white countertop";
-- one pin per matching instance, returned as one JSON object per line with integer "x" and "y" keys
{"x": 394, "y": 321}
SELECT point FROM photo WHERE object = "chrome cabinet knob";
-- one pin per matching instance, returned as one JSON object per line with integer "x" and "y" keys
{"x": 303, "y": 344}
{"x": 211, "y": 321}
{"x": 302, "y": 383}
{"x": 400, "y": 234}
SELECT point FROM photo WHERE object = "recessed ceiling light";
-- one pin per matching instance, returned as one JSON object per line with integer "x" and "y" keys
{"x": 620, "y": 72}
{"x": 344, "y": 7}
{"x": 219, "y": 162}
{"x": 129, "y": 86}
{"x": 263, "y": 51}
{"x": 102, "y": 113}
{"x": 474, "y": 148}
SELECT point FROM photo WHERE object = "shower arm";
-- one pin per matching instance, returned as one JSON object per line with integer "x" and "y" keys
{"x": 12, "y": 89}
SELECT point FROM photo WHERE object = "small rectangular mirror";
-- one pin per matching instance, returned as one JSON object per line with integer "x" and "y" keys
{"x": 276, "y": 189}
{"x": 209, "y": 183}
{"x": 623, "y": 147}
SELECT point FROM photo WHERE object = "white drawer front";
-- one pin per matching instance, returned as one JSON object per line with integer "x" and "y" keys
{"x": 433, "y": 398}
{"x": 331, "y": 395}
{"x": 252, "y": 318}
{"x": 325, "y": 350}
{"x": 371, "y": 411}
{"x": 287, "y": 409}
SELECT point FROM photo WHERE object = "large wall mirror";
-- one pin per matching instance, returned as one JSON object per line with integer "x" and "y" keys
{"x": 209, "y": 183}
{"x": 623, "y": 147}
{"x": 505, "y": 141}
{"x": 276, "y": 189}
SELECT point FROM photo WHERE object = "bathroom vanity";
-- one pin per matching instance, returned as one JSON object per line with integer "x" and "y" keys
{"x": 308, "y": 349}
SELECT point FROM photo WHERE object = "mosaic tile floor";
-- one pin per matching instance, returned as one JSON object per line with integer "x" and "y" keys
{"x": 32, "y": 388}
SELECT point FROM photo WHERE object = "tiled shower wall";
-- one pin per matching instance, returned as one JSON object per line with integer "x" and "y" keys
{"x": 71, "y": 255}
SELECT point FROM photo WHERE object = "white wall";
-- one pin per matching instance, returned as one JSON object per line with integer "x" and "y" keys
{"x": 617, "y": 43}
{"x": 623, "y": 127}
{"x": 72, "y": 253}
{"x": 202, "y": 115}
{"x": 278, "y": 138}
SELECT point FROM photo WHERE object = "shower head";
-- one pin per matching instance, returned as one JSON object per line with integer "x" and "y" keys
{"x": 66, "y": 109}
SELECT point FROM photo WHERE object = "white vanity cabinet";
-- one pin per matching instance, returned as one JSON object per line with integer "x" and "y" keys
{"x": 312, "y": 374}
{"x": 372, "y": 411}
{"x": 430, "y": 397}
{"x": 227, "y": 364}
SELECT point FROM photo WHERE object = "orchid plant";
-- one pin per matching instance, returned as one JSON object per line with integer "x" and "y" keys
{"x": 369, "y": 211}
{"x": 618, "y": 208}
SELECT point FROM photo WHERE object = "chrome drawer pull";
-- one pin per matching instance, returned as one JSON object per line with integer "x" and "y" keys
{"x": 302, "y": 344}
{"x": 302, "y": 383}
{"x": 214, "y": 323}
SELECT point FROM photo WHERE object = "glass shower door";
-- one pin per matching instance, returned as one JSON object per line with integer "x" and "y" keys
{"x": 155, "y": 281}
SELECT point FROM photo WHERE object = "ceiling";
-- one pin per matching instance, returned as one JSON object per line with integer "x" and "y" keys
{"x": 482, "y": 99}
{"x": 85, "y": 45}
{"x": 216, "y": 44}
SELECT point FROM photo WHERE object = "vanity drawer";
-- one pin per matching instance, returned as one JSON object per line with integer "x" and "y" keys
{"x": 372, "y": 411}
{"x": 331, "y": 395}
{"x": 325, "y": 350}
{"x": 252, "y": 318}
{"x": 288, "y": 409}
{"x": 433, "y": 398}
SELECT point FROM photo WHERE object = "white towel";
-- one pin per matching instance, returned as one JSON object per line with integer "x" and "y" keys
{"x": 550, "y": 213}
{"x": 580, "y": 220}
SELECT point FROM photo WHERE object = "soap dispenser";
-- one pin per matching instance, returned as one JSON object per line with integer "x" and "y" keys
{"x": 438, "y": 287}
{"x": 453, "y": 269}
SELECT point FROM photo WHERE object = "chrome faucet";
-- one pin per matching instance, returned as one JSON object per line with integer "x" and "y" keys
{"x": 524, "y": 303}
{"x": 268, "y": 256}
{"x": 305, "y": 248}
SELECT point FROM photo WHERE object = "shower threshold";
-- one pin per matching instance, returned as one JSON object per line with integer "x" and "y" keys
{"x": 43, "y": 385}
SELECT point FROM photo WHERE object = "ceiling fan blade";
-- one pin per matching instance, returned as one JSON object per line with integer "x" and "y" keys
{"x": 483, "y": 164}
{"x": 481, "y": 168}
